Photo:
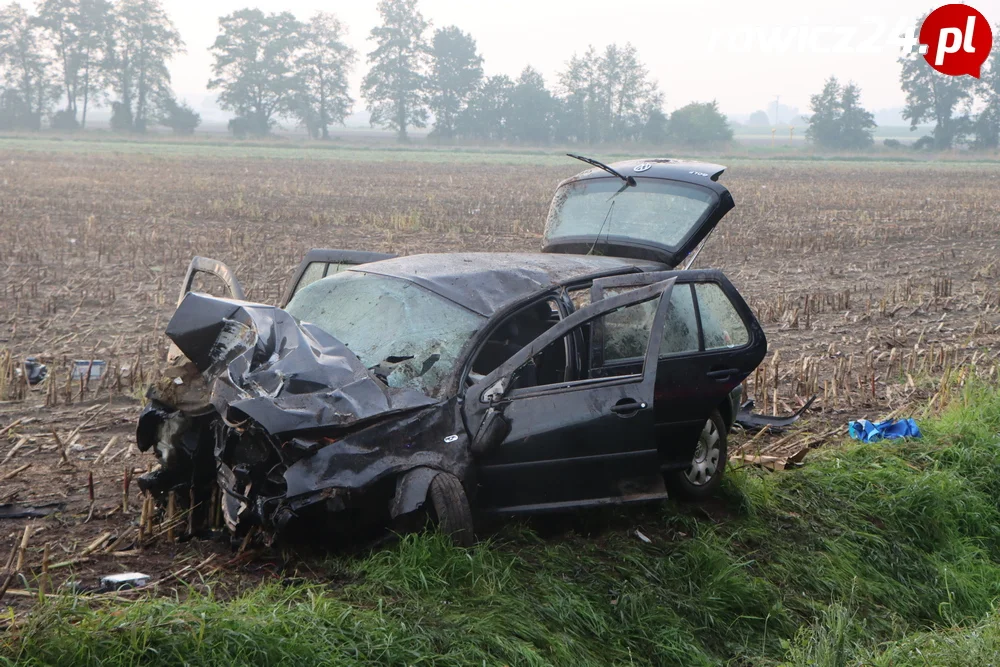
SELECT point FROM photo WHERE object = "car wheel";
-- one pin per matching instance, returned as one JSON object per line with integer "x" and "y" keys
{"x": 700, "y": 479}
{"x": 451, "y": 509}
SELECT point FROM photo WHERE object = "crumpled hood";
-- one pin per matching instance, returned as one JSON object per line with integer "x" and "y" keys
{"x": 260, "y": 363}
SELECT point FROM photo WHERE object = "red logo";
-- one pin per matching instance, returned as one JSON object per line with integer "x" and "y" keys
{"x": 958, "y": 40}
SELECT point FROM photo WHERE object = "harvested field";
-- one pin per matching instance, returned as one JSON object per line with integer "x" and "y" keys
{"x": 877, "y": 284}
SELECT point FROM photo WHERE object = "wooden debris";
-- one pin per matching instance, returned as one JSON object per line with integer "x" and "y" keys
{"x": 104, "y": 451}
{"x": 8, "y": 571}
{"x": 13, "y": 450}
{"x": 14, "y": 473}
{"x": 44, "y": 582}
{"x": 190, "y": 517}
{"x": 10, "y": 426}
{"x": 90, "y": 494}
{"x": 96, "y": 544}
{"x": 23, "y": 548}
{"x": 171, "y": 513}
{"x": 69, "y": 563}
{"x": 126, "y": 482}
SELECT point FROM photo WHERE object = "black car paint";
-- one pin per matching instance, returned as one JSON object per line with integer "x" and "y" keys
{"x": 335, "y": 466}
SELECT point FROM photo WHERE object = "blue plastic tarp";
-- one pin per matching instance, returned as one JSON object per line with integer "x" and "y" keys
{"x": 865, "y": 431}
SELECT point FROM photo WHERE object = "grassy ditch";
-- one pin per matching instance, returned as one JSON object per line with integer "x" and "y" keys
{"x": 885, "y": 554}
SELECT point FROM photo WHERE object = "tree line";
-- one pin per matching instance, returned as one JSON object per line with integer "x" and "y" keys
{"x": 271, "y": 67}
{"x": 962, "y": 109}
{"x": 76, "y": 54}
{"x": 70, "y": 55}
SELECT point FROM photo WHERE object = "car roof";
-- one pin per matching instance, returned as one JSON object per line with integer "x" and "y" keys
{"x": 485, "y": 282}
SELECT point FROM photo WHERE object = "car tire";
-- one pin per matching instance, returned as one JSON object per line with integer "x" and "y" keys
{"x": 704, "y": 475}
{"x": 451, "y": 509}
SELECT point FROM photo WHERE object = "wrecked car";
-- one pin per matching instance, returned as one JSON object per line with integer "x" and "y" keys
{"x": 388, "y": 389}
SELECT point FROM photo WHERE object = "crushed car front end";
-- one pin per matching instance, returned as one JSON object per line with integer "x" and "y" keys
{"x": 274, "y": 418}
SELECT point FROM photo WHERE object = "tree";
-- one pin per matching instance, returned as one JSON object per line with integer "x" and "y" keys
{"x": 857, "y": 124}
{"x": 838, "y": 120}
{"x": 77, "y": 30}
{"x": 531, "y": 109}
{"x": 987, "y": 122}
{"x": 179, "y": 117}
{"x": 456, "y": 72}
{"x": 141, "y": 41}
{"x": 931, "y": 96}
{"x": 824, "y": 123}
{"x": 759, "y": 118}
{"x": 699, "y": 124}
{"x": 580, "y": 86}
{"x": 657, "y": 128}
{"x": 254, "y": 66}
{"x": 607, "y": 97}
{"x": 30, "y": 88}
{"x": 628, "y": 92}
{"x": 323, "y": 66}
{"x": 487, "y": 114}
{"x": 396, "y": 83}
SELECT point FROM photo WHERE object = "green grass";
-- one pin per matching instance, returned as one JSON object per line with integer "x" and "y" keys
{"x": 885, "y": 554}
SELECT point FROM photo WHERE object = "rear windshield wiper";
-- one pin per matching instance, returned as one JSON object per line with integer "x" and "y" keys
{"x": 629, "y": 180}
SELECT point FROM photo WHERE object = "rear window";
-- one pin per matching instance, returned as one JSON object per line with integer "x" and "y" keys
{"x": 655, "y": 210}
{"x": 722, "y": 325}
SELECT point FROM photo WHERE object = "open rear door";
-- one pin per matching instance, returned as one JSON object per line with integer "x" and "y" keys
{"x": 322, "y": 262}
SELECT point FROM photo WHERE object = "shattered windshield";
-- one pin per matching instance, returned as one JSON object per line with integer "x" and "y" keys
{"x": 654, "y": 210}
{"x": 409, "y": 336}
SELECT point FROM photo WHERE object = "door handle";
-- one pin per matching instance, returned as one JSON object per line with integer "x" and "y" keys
{"x": 627, "y": 407}
{"x": 723, "y": 374}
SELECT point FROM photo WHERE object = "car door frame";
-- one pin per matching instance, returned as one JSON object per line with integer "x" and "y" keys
{"x": 679, "y": 456}
{"x": 329, "y": 256}
{"x": 215, "y": 268}
{"x": 491, "y": 395}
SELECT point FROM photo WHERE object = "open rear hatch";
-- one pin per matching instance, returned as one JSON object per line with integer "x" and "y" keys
{"x": 659, "y": 210}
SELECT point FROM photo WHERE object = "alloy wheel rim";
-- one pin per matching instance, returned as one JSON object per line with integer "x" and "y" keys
{"x": 705, "y": 463}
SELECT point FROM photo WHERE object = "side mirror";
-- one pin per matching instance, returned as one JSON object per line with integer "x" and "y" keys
{"x": 495, "y": 392}
{"x": 493, "y": 431}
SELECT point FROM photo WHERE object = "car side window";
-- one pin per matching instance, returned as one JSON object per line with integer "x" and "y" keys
{"x": 315, "y": 271}
{"x": 518, "y": 330}
{"x": 626, "y": 331}
{"x": 620, "y": 338}
{"x": 680, "y": 331}
{"x": 722, "y": 325}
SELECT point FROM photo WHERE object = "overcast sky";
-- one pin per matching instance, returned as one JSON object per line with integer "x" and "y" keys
{"x": 741, "y": 53}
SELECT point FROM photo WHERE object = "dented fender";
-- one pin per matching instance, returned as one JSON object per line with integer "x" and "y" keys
{"x": 411, "y": 490}
{"x": 433, "y": 438}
